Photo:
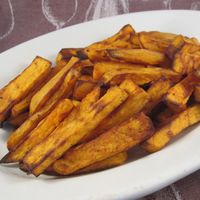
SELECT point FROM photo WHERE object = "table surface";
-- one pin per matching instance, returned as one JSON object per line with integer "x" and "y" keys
{"x": 18, "y": 22}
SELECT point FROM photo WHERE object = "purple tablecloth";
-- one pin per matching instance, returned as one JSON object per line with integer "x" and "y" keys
{"x": 21, "y": 20}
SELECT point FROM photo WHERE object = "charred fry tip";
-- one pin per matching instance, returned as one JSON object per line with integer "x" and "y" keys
{"x": 82, "y": 55}
{"x": 5, "y": 159}
{"x": 24, "y": 168}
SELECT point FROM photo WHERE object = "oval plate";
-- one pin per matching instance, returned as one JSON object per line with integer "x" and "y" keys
{"x": 132, "y": 180}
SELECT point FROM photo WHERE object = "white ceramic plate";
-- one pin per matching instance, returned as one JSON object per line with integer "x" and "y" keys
{"x": 132, "y": 180}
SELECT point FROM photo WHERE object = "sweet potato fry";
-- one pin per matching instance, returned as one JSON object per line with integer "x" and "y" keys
{"x": 42, "y": 96}
{"x": 97, "y": 51}
{"x": 87, "y": 70}
{"x": 82, "y": 88}
{"x": 117, "y": 72}
{"x": 43, "y": 129}
{"x": 97, "y": 55}
{"x": 110, "y": 162}
{"x": 178, "y": 95}
{"x": 135, "y": 41}
{"x": 18, "y": 88}
{"x": 82, "y": 64}
{"x": 164, "y": 117}
{"x": 19, "y": 135}
{"x": 166, "y": 133}
{"x": 65, "y": 89}
{"x": 101, "y": 68}
{"x": 76, "y": 103}
{"x": 177, "y": 44}
{"x": 23, "y": 105}
{"x": 85, "y": 78}
{"x": 134, "y": 103}
{"x": 156, "y": 41}
{"x": 156, "y": 92}
{"x": 124, "y": 34}
{"x": 69, "y": 133}
{"x": 146, "y": 76}
{"x": 113, "y": 161}
{"x": 140, "y": 56}
{"x": 119, "y": 138}
{"x": 66, "y": 54}
{"x": 187, "y": 59}
{"x": 18, "y": 120}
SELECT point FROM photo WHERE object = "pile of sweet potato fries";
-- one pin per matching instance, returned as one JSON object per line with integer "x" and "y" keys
{"x": 131, "y": 89}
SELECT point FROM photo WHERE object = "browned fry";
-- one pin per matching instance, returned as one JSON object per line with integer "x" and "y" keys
{"x": 87, "y": 71}
{"x": 85, "y": 78}
{"x": 67, "y": 53}
{"x": 23, "y": 105}
{"x": 192, "y": 40}
{"x": 156, "y": 41}
{"x": 164, "y": 117}
{"x": 83, "y": 87}
{"x": 18, "y": 120}
{"x": 61, "y": 63}
{"x": 66, "y": 88}
{"x": 156, "y": 92}
{"x": 70, "y": 132}
{"x": 42, "y": 96}
{"x": 101, "y": 68}
{"x": 178, "y": 96}
{"x": 19, "y": 135}
{"x": 115, "y": 140}
{"x": 143, "y": 78}
{"x": 135, "y": 102}
{"x": 84, "y": 65}
{"x": 135, "y": 41}
{"x": 117, "y": 72}
{"x": 166, "y": 133}
{"x": 110, "y": 162}
{"x": 113, "y": 161}
{"x": 97, "y": 55}
{"x": 124, "y": 34}
{"x": 97, "y": 51}
{"x": 76, "y": 103}
{"x": 43, "y": 129}
{"x": 177, "y": 44}
{"x": 140, "y": 56}
{"x": 18, "y": 88}
{"x": 187, "y": 59}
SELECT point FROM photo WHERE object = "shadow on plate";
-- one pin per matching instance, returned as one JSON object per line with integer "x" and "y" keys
{"x": 6, "y": 129}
